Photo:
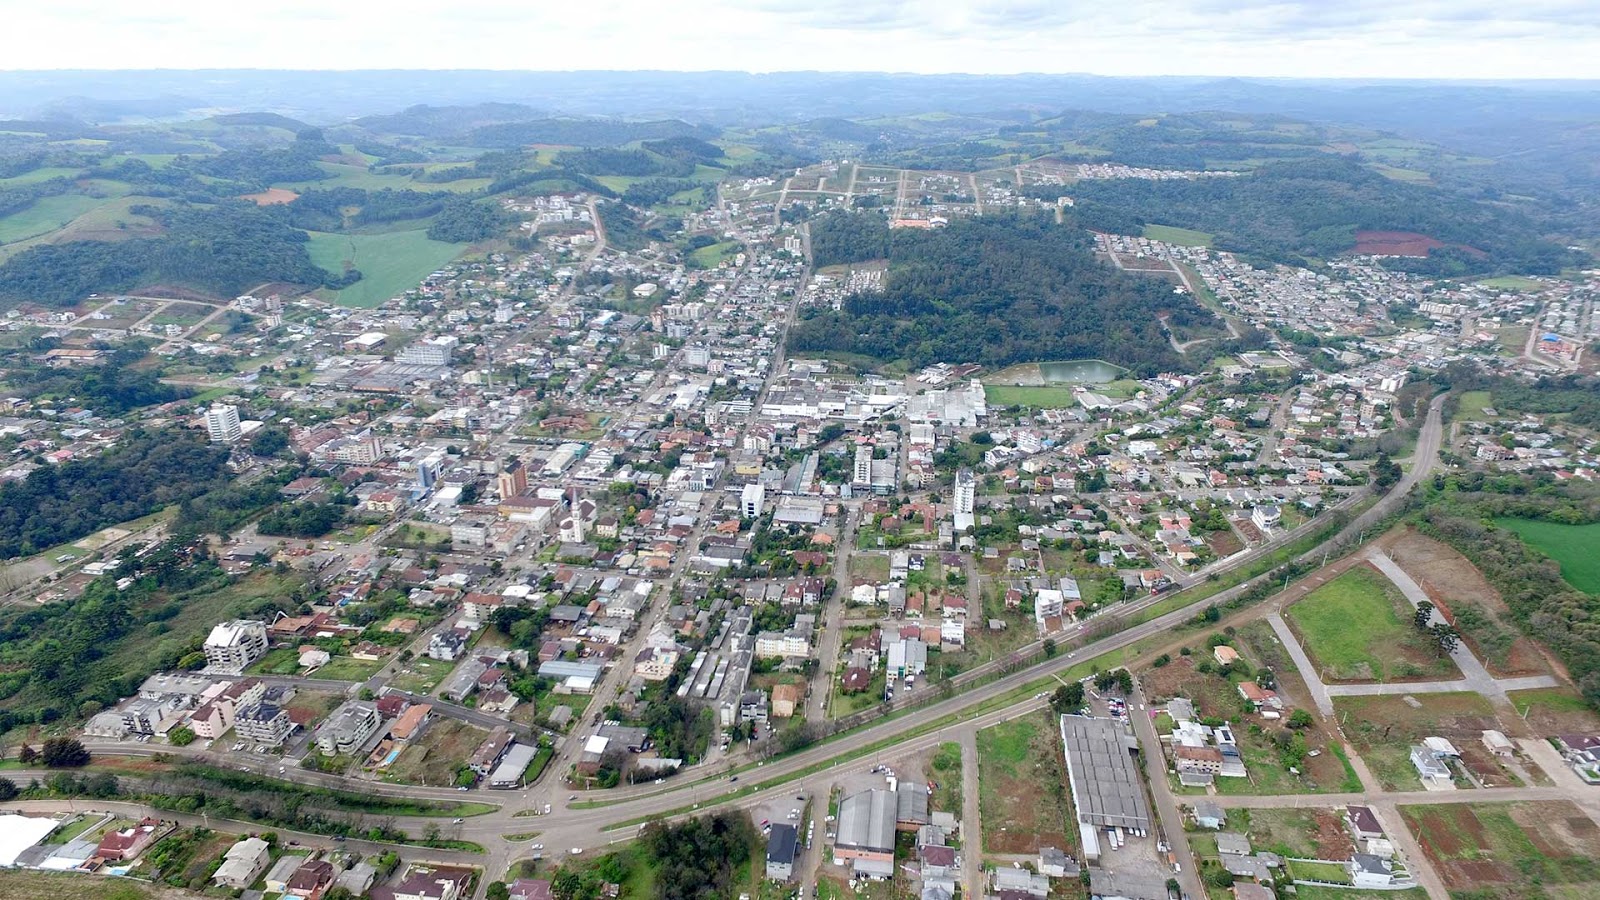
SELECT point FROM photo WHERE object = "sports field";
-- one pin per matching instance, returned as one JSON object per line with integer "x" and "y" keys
{"x": 390, "y": 264}
{"x": 1576, "y": 548}
{"x": 1039, "y": 397}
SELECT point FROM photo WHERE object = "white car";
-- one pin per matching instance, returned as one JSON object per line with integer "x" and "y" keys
{"x": 537, "y": 847}
{"x": 576, "y": 851}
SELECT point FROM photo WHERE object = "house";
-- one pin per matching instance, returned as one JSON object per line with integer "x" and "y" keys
{"x": 429, "y": 883}
{"x": 1363, "y": 823}
{"x": 1208, "y": 814}
{"x": 530, "y": 889}
{"x": 411, "y": 722}
{"x": 243, "y": 864}
{"x": 1055, "y": 863}
{"x": 310, "y": 881}
{"x": 1430, "y": 768}
{"x": 448, "y": 644}
{"x": 488, "y": 754}
{"x": 786, "y": 700}
{"x": 1367, "y": 871}
{"x": 127, "y": 844}
{"x": 357, "y": 879}
{"x": 277, "y": 878}
{"x": 781, "y": 851}
{"x": 1011, "y": 878}
{"x": 1497, "y": 743}
{"x": 1224, "y": 655}
{"x": 1258, "y": 696}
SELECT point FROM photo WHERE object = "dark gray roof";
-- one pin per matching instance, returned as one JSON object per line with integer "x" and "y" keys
{"x": 781, "y": 844}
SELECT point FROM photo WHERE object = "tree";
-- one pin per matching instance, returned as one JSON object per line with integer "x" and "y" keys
{"x": 497, "y": 890}
{"x": 1445, "y": 637}
{"x": 64, "y": 753}
{"x": 27, "y": 754}
{"x": 1049, "y": 646}
{"x": 1424, "y": 613}
{"x": 8, "y": 790}
{"x": 1385, "y": 472}
{"x": 1301, "y": 719}
{"x": 1068, "y": 698}
{"x": 181, "y": 736}
{"x": 565, "y": 885}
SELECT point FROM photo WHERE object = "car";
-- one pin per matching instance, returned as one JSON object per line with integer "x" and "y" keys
{"x": 801, "y": 798}
{"x": 457, "y": 821}
{"x": 577, "y": 851}
{"x": 536, "y": 847}
{"x": 463, "y": 789}
{"x": 661, "y": 781}
{"x": 732, "y": 778}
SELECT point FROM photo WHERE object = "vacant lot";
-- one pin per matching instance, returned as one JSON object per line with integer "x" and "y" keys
{"x": 345, "y": 668}
{"x": 1571, "y": 546}
{"x": 942, "y": 766}
{"x": 434, "y": 759}
{"x": 1513, "y": 850}
{"x": 1023, "y": 787}
{"x": 1384, "y": 728}
{"x": 868, "y": 568}
{"x": 1554, "y": 711}
{"x": 1463, "y": 595}
{"x": 1357, "y": 627}
{"x": 390, "y": 264}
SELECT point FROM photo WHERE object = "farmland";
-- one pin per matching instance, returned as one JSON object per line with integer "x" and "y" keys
{"x": 1022, "y": 787}
{"x": 390, "y": 264}
{"x": 1358, "y": 628}
{"x": 1571, "y": 546}
{"x": 1519, "y": 850}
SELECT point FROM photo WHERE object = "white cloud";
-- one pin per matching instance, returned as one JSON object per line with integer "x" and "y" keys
{"x": 1295, "y": 38}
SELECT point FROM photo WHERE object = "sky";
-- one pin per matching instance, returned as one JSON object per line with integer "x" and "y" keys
{"x": 1476, "y": 39}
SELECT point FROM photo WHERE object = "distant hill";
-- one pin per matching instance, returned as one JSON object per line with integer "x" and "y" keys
{"x": 440, "y": 122}
{"x": 270, "y": 120}
{"x": 583, "y": 132}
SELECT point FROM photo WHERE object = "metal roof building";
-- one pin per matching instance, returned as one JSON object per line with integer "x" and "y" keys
{"x": 867, "y": 821}
{"x": 1106, "y": 790}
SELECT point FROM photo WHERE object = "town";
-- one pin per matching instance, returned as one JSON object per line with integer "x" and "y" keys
{"x": 567, "y": 539}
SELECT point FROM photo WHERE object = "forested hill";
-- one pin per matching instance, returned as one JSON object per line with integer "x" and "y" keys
{"x": 996, "y": 291}
{"x": 1311, "y": 209}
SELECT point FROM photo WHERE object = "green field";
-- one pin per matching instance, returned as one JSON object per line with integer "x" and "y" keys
{"x": 17, "y": 884}
{"x": 1183, "y": 237}
{"x": 1353, "y": 627}
{"x": 36, "y": 176}
{"x": 345, "y": 668}
{"x": 45, "y": 215}
{"x": 390, "y": 264}
{"x": 1512, "y": 283}
{"x": 1471, "y": 406}
{"x": 1571, "y": 546}
{"x": 711, "y": 256}
{"x": 1038, "y": 397}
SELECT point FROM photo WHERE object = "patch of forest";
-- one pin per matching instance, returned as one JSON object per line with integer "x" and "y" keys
{"x": 994, "y": 291}
{"x": 58, "y": 504}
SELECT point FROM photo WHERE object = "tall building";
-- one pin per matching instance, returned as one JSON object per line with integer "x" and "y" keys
{"x": 513, "y": 479}
{"x": 434, "y": 352}
{"x": 753, "y": 500}
{"x": 964, "y": 499}
{"x": 222, "y": 424}
{"x": 234, "y": 645}
{"x": 863, "y": 468}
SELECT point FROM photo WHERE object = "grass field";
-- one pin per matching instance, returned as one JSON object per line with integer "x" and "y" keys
{"x": 1471, "y": 406}
{"x": 344, "y": 668}
{"x": 342, "y": 175}
{"x": 1044, "y": 397}
{"x": 1571, "y": 546}
{"x": 711, "y": 256}
{"x": 1512, "y": 283}
{"x": 390, "y": 264}
{"x": 1022, "y": 786}
{"x": 18, "y": 884}
{"x": 944, "y": 770}
{"x": 37, "y": 175}
{"x": 1358, "y": 627}
{"x": 1183, "y": 237}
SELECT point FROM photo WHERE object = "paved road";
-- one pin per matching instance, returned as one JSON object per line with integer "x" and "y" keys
{"x": 1308, "y": 670}
{"x": 1166, "y": 805}
{"x": 971, "y": 815}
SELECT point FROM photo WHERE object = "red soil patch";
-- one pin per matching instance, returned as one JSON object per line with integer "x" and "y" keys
{"x": 271, "y": 197}
{"x": 1401, "y": 243}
